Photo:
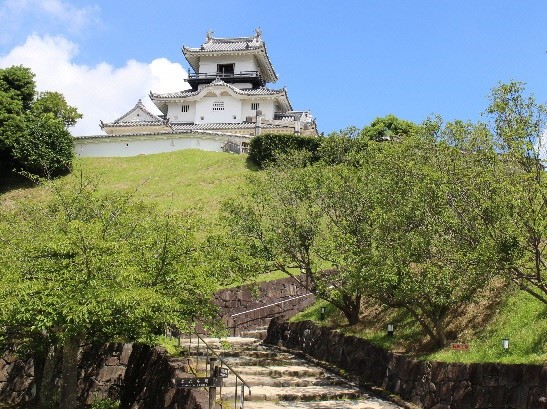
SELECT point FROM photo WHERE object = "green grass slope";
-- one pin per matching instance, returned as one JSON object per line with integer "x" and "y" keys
{"x": 187, "y": 179}
{"x": 517, "y": 316}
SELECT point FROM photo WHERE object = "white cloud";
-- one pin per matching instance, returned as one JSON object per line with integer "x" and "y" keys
{"x": 102, "y": 92}
{"x": 38, "y": 14}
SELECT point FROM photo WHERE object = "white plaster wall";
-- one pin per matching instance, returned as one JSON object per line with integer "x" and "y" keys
{"x": 204, "y": 108}
{"x": 175, "y": 114}
{"x": 266, "y": 106}
{"x": 126, "y": 147}
{"x": 242, "y": 63}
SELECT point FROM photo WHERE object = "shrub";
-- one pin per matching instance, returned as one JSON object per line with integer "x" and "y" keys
{"x": 267, "y": 148}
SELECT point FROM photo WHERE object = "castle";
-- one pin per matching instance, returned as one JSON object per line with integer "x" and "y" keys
{"x": 227, "y": 105}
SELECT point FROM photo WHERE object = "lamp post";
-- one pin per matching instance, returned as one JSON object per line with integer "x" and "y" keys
{"x": 505, "y": 344}
{"x": 390, "y": 329}
{"x": 322, "y": 314}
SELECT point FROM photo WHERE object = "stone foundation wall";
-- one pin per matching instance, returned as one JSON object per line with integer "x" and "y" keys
{"x": 427, "y": 384}
{"x": 137, "y": 375}
{"x": 250, "y": 297}
{"x": 16, "y": 379}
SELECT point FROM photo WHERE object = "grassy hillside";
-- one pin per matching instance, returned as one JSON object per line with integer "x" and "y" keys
{"x": 178, "y": 180}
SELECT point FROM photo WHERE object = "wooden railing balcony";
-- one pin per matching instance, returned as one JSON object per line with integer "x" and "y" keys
{"x": 252, "y": 77}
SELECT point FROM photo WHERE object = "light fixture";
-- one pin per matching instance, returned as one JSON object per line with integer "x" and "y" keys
{"x": 505, "y": 344}
{"x": 390, "y": 329}
{"x": 322, "y": 316}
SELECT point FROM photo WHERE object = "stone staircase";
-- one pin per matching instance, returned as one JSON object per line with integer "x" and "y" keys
{"x": 281, "y": 380}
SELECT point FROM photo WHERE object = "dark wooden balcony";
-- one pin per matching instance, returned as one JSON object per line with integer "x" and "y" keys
{"x": 252, "y": 77}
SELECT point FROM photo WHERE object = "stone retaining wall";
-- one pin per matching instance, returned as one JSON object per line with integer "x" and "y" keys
{"x": 427, "y": 384}
{"x": 137, "y": 375}
{"x": 107, "y": 371}
{"x": 250, "y": 297}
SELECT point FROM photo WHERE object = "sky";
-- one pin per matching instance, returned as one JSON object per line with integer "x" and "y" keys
{"x": 348, "y": 61}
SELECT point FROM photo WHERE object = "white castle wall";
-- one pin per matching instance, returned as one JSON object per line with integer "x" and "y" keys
{"x": 242, "y": 63}
{"x": 118, "y": 147}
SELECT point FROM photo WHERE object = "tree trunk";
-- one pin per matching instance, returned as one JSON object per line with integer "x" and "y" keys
{"x": 46, "y": 385}
{"x": 352, "y": 314}
{"x": 69, "y": 384}
{"x": 440, "y": 331}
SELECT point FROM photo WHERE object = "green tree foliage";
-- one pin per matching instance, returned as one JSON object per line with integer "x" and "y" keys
{"x": 44, "y": 147}
{"x": 18, "y": 82}
{"x": 432, "y": 253}
{"x": 87, "y": 267}
{"x": 55, "y": 103}
{"x": 388, "y": 128}
{"x": 519, "y": 130}
{"x": 34, "y": 133}
{"x": 404, "y": 222}
{"x": 266, "y": 148}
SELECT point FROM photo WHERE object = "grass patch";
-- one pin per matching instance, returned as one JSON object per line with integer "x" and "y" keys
{"x": 521, "y": 318}
{"x": 183, "y": 180}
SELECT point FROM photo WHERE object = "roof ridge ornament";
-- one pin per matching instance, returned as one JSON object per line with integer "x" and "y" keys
{"x": 209, "y": 35}
{"x": 258, "y": 33}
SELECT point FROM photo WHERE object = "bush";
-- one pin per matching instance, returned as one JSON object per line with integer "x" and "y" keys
{"x": 266, "y": 148}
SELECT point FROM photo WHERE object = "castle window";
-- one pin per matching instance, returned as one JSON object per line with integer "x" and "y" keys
{"x": 226, "y": 69}
{"x": 255, "y": 106}
{"x": 218, "y": 106}
{"x": 185, "y": 108}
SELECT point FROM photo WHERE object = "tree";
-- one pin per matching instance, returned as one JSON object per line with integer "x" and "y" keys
{"x": 18, "y": 81}
{"x": 98, "y": 268}
{"x": 311, "y": 222}
{"x": 34, "y": 133}
{"x": 387, "y": 128}
{"x": 55, "y": 103}
{"x": 432, "y": 253}
{"x": 45, "y": 147}
{"x": 519, "y": 131}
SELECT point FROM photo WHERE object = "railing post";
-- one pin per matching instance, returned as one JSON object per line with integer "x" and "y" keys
{"x": 235, "y": 325}
{"x": 242, "y": 396}
{"x": 235, "y": 395}
{"x": 212, "y": 389}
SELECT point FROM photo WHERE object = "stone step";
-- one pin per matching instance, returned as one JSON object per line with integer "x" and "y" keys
{"x": 295, "y": 393}
{"x": 284, "y": 381}
{"x": 368, "y": 403}
{"x": 256, "y": 333}
{"x": 272, "y": 361}
{"x": 279, "y": 371}
{"x": 280, "y": 380}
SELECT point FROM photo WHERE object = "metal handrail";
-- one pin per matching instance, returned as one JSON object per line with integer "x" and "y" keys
{"x": 270, "y": 305}
{"x": 224, "y": 362}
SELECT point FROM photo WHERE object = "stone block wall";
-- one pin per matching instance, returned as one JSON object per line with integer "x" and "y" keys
{"x": 16, "y": 379}
{"x": 246, "y": 298}
{"x": 137, "y": 375}
{"x": 435, "y": 385}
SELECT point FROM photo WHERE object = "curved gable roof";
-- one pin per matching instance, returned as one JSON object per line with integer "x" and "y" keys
{"x": 161, "y": 99}
{"x": 139, "y": 116}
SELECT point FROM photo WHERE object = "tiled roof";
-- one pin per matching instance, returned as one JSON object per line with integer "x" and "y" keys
{"x": 147, "y": 118}
{"x": 239, "y": 125}
{"x": 216, "y": 82}
{"x": 213, "y": 45}
{"x": 135, "y": 124}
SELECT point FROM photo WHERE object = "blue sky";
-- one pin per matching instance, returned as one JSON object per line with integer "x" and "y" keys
{"x": 346, "y": 61}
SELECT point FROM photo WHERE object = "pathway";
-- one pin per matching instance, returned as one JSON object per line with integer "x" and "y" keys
{"x": 282, "y": 380}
